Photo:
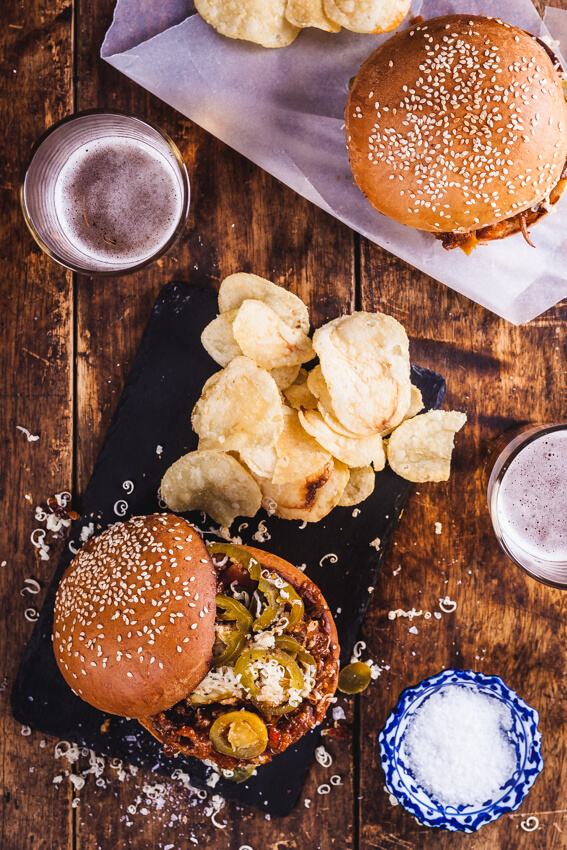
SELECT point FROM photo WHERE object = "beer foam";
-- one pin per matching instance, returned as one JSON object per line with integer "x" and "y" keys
{"x": 532, "y": 499}
{"x": 118, "y": 200}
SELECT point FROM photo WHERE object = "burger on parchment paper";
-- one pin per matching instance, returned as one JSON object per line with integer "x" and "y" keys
{"x": 222, "y": 652}
{"x": 458, "y": 126}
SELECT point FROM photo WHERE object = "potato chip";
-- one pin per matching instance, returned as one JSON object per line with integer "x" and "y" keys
{"x": 299, "y": 455}
{"x": 260, "y": 461}
{"x": 367, "y": 15}
{"x": 308, "y": 500}
{"x": 241, "y": 286}
{"x": 213, "y": 482}
{"x": 207, "y": 387}
{"x": 420, "y": 448}
{"x": 260, "y": 21}
{"x": 241, "y": 408}
{"x": 334, "y": 423}
{"x": 265, "y": 338}
{"x": 354, "y": 451}
{"x": 309, "y": 13}
{"x": 299, "y": 395}
{"x": 360, "y": 486}
{"x": 284, "y": 376}
{"x": 416, "y": 405}
{"x": 317, "y": 385}
{"x": 218, "y": 339}
{"x": 365, "y": 363}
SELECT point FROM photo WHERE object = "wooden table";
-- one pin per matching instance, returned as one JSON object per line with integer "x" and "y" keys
{"x": 67, "y": 344}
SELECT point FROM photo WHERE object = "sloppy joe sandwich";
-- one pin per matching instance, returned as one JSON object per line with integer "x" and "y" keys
{"x": 222, "y": 652}
{"x": 457, "y": 126}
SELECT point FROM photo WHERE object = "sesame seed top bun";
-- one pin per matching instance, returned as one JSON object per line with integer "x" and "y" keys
{"x": 457, "y": 123}
{"x": 135, "y": 612}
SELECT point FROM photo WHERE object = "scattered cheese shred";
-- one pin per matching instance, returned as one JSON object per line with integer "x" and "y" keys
{"x": 31, "y": 437}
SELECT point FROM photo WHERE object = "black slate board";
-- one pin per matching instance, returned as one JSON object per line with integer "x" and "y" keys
{"x": 154, "y": 411}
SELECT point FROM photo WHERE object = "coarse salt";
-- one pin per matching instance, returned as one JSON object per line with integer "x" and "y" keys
{"x": 457, "y": 746}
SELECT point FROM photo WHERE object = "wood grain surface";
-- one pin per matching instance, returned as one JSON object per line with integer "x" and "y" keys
{"x": 67, "y": 343}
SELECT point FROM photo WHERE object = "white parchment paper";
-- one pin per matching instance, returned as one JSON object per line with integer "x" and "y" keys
{"x": 284, "y": 110}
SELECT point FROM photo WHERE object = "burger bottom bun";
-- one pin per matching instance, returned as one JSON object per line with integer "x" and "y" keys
{"x": 307, "y": 716}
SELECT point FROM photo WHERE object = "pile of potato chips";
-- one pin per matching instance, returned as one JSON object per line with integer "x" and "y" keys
{"x": 276, "y": 23}
{"x": 301, "y": 442}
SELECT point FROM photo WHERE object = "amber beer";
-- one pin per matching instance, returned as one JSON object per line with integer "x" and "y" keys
{"x": 105, "y": 193}
{"x": 527, "y": 499}
{"x": 118, "y": 199}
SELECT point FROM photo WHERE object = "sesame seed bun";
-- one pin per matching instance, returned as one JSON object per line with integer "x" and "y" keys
{"x": 456, "y": 124}
{"x": 134, "y": 621}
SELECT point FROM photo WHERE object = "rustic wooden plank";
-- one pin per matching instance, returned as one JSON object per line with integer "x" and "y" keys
{"x": 241, "y": 219}
{"x": 505, "y": 623}
{"x": 36, "y": 351}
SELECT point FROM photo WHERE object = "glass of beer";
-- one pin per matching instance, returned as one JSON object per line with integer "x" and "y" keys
{"x": 527, "y": 500}
{"x": 105, "y": 193}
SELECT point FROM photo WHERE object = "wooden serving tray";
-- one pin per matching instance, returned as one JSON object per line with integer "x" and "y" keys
{"x": 150, "y": 430}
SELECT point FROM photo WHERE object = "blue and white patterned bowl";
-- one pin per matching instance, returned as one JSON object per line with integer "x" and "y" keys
{"x": 414, "y": 799}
